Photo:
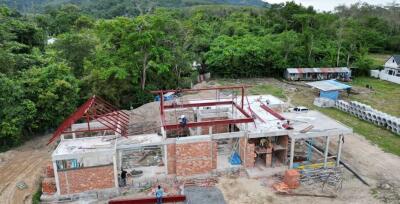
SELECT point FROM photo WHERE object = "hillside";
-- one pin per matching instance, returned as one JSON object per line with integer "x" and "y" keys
{"x": 112, "y": 8}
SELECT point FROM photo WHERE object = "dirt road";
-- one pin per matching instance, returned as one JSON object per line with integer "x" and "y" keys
{"x": 25, "y": 164}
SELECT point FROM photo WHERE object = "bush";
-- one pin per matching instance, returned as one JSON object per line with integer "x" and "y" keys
{"x": 36, "y": 196}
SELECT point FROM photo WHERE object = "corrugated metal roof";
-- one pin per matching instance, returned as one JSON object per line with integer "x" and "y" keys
{"x": 318, "y": 70}
{"x": 328, "y": 85}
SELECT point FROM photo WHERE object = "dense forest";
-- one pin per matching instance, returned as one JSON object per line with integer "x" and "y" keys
{"x": 121, "y": 57}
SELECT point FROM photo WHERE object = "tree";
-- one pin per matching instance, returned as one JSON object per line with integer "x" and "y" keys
{"x": 75, "y": 47}
{"x": 54, "y": 91}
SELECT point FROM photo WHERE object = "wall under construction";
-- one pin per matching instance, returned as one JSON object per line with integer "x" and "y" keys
{"x": 85, "y": 179}
{"x": 190, "y": 158}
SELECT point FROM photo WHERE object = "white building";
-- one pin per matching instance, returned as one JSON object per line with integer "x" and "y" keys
{"x": 391, "y": 70}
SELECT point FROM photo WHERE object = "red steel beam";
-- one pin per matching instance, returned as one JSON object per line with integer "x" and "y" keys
{"x": 71, "y": 119}
{"x": 110, "y": 110}
{"x": 104, "y": 116}
{"x": 112, "y": 106}
{"x": 209, "y": 123}
{"x": 190, "y": 105}
{"x": 149, "y": 200}
{"x": 241, "y": 110}
{"x": 272, "y": 112}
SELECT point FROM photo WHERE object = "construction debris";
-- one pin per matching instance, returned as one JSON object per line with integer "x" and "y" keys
{"x": 291, "y": 178}
{"x": 22, "y": 185}
{"x": 202, "y": 182}
{"x": 326, "y": 176}
{"x": 305, "y": 194}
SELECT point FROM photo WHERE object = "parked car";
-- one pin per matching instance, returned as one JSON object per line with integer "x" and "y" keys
{"x": 298, "y": 109}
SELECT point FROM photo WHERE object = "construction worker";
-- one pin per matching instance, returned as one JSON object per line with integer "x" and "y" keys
{"x": 182, "y": 121}
{"x": 123, "y": 177}
{"x": 159, "y": 194}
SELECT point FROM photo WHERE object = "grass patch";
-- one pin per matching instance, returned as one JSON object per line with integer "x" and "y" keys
{"x": 36, "y": 196}
{"x": 267, "y": 89}
{"x": 379, "y": 59}
{"x": 384, "y": 97}
{"x": 385, "y": 139}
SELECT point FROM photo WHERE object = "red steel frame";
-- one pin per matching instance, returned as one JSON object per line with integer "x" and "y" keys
{"x": 248, "y": 118}
{"x": 149, "y": 200}
{"x": 95, "y": 108}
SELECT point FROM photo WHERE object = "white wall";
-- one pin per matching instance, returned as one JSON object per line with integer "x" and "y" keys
{"x": 391, "y": 78}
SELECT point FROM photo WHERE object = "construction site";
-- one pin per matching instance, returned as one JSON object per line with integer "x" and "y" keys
{"x": 214, "y": 143}
{"x": 192, "y": 140}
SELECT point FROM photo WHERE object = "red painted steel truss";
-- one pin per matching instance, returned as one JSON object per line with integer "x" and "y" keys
{"x": 247, "y": 117}
{"x": 95, "y": 109}
{"x": 149, "y": 200}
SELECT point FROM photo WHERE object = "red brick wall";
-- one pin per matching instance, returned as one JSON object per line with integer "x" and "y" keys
{"x": 215, "y": 128}
{"x": 247, "y": 153}
{"x": 171, "y": 158}
{"x": 196, "y": 158}
{"x": 84, "y": 179}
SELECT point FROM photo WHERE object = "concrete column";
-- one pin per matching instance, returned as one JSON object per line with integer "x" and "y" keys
{"x": 163, "y": 133}
{"x": 339, "y": 150}
{"x": 73, "y": 135}
{"x": 56, "y": 178}
{"x": 326, "y": 151}
{"x": 293, "y": 141}
{"x": 166, "y": 159}
{"x": 115, "y": 169}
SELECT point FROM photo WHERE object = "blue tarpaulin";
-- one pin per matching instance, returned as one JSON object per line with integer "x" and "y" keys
{"x": 167, "y": 97}
{"x": 235, "y": 159}
{"x": 334, "y": 95}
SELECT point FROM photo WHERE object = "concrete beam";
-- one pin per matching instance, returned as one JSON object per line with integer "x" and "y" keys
{"x": 328, "y": 133}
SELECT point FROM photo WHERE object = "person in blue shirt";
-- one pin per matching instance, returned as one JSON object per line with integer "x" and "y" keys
{"x": 159, "y": 194}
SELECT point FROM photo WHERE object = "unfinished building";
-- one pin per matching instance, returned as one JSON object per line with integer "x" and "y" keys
{"x": 188, "y": 137}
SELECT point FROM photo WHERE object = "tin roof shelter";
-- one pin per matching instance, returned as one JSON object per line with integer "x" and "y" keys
{"x": 311, "y": 74}
{"x": 329, "y": 88}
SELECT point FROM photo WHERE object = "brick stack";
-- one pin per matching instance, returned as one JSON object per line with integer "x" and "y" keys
{"x": 49, "y": 186}
{"x": 49, "y": 182}
{"x": 195, "y": 158}
{"x": 49, "y": 171}
{"x": 292, "y": 178}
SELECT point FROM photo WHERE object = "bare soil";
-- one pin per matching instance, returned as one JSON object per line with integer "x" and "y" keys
{"x": 25, "y": 163}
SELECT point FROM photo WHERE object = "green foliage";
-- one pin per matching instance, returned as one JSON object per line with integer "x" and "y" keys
{"x": 36, "y": 196}
{"x": 75, "y": 48}
{"x": 54, "y": 91}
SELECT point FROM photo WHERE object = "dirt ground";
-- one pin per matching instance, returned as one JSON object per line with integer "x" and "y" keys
{"x": 25, "y": 164}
